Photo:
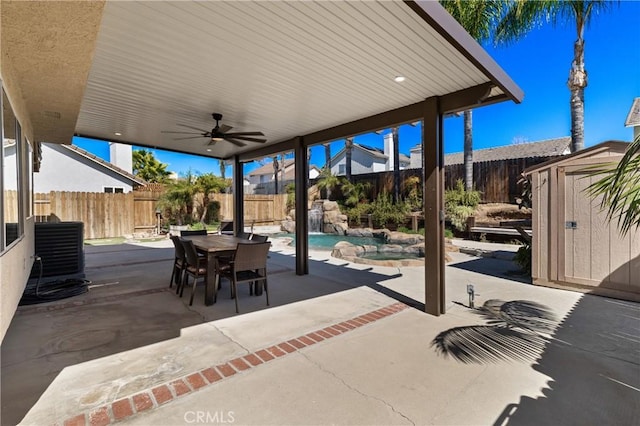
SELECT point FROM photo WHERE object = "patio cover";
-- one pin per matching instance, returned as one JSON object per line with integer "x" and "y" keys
{"x": 301, "y": 72}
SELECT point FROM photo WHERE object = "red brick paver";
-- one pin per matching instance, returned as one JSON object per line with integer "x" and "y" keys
{"x": 99, "y": 417}
{"x": 142, "y": 401}
{"x": 162, "y": 394}
{"x": 122, "y": 409}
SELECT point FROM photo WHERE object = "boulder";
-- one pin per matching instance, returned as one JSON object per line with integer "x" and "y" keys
{"x": 331, "y": 216}
{"x": 370, "y": 248}
{"x": 330, "y": 206}
{"x": 415, "y": 249}
{"x": 344, "y": 249}
{"x": 341, "y": 228}
{"x": 402, "y": 238}
{"x": 360, "y": 232}
{"x": 390, "y": 248}
{"x": 288, "y": 226}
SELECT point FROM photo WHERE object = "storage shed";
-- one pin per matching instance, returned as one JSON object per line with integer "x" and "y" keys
{"x": 574, "y": 245}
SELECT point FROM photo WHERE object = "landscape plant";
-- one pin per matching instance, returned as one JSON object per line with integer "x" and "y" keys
{"x": 413, "y": 193}
{"x": 459, "y": 204}
{"x": 147, "y": 167}
{"x": 385, "y": 212}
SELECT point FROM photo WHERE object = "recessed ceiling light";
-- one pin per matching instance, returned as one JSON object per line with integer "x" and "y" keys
{"x": 208, "y": 149}
{"x": 118, "y": 134}
{"x": 399, "y": 78}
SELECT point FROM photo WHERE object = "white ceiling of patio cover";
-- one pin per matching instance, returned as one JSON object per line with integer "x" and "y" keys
{"x": 283, "y": 68}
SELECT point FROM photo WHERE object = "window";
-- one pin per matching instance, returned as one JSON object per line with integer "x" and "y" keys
{"x": 12, "y": 212}
{"x": 114, "y": 189}
{"x": 342, "y": 169}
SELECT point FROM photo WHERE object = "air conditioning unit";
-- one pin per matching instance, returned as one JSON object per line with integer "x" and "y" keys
{"x": 61, "y": 248}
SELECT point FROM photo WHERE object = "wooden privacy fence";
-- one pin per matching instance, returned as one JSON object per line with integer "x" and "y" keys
{"x": 259, "y": 209}
{"x": 114, "y": 215}
{"x": 497, "y": 181}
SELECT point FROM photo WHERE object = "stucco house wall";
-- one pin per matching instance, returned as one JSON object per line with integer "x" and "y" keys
{"x": 361, "y": 162}
{"x": 88, "y": 176}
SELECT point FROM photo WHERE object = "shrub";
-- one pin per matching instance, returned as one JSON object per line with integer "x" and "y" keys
{"x": 384, "y": 211}
{"x": 523, "y": 258}
{"x": 460, "y": 204}
{"x": 448, "y": 233}
{"x": 290, "y": 189}
{"x": 355, "y": 213}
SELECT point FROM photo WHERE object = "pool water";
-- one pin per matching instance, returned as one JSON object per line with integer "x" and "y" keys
{"x": 327, "y": 241}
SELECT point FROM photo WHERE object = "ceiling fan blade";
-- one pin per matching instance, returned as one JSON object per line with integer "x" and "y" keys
{"x": 181, "y": 133}
{"x": 191, "y": 127}
{"x": 245, "y": 134}
{"x": 243, "y": 138}
{"x": 235, "y": 142}
{"x": 190, "y": 137}
{"x": 225, "y": 128}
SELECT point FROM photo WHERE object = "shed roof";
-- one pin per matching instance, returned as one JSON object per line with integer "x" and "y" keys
{"x": 615, "y": 146}
{"x": 546, "y": 148}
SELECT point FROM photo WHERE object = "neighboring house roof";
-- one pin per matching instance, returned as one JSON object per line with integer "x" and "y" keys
{"x": 633, "y": 118}
{"x": 103, "y": 163}
{"x": 290, "y": 174}
{"x": 267, "y": 169}
{"x": 546, "y": 148}
{"x": 373, "y": 151}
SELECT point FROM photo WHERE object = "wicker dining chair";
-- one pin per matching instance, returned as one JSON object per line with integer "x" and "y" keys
{"x": 196, "y": 266}
{"x": 244, "y": 235}
{"x": 249, "y": 265}
{"x": 179, "y": 263}
{"x": 259, "y": 238}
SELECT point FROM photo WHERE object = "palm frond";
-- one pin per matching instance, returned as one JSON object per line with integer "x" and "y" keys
{"x": 619, "y": 188}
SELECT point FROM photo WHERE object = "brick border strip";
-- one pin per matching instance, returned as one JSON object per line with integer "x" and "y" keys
{"x": 166, "y": 392}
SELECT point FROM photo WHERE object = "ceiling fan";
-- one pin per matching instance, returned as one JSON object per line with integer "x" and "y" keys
{"x": 219, "y": 133}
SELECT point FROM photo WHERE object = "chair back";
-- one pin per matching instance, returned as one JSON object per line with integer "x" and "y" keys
{"x": 178, "y": 246}
{"x": 244, "y": 235}
{"x": 190, "y": 252}
{"x": 259, "y": 238}
{"x": 226, "y": 227}
{"x": 189, "y": 233}
{"x": 251, "y": 256}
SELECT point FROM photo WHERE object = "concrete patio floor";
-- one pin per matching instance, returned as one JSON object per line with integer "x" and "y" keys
{"x": 343, "y": 345}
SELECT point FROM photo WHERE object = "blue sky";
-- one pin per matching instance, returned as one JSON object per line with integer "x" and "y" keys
{"x": 539, "y": 64}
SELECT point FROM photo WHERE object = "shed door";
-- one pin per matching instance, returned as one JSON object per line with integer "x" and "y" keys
{"x": 594, "y": 252}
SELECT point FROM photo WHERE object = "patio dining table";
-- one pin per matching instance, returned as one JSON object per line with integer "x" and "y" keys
{"x": 214, "y": 246}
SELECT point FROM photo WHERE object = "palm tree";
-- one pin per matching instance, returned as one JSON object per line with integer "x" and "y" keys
{"x": 223, "y": 168}
{"x": 147, "y": 167}
{"x": 396, "y": 164}
{"x": 327, "y": 182}
{"x": 348, "y": 145}
{"x": 208, "y": 183}
{"x": 478, "y": 18}
{"x": 276, "y": 169}
{"x": 620, "y": 189}
{"x": 327, "y": 156}
{"x": 524, "y": 15}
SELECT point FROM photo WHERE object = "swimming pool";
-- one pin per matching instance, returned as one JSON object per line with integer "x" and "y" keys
{"x": 327, "y": 241}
